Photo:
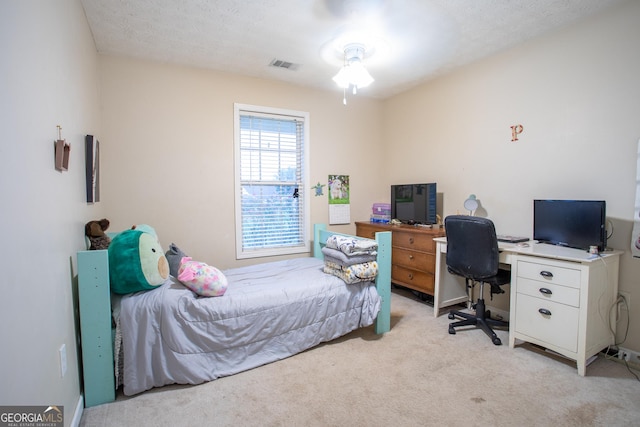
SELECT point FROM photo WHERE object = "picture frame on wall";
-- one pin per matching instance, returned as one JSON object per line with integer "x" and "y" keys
{"x": 92, "y": 161}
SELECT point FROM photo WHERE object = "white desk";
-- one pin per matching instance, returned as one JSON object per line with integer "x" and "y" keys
{"x": 560, "y": 297}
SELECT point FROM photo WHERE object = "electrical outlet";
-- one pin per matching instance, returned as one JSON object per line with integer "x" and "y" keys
{"x": 63, "y": 359}
{"x": 627, "y": 298}
{"x": 628, "y": 355}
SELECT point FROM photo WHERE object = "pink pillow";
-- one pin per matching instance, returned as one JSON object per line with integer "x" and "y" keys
{"x": 201, "y": 278}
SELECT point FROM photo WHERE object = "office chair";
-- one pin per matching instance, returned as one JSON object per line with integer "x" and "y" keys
{"x": 472, "y": 252}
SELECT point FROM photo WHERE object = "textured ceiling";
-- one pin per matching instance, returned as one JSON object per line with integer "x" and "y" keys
{"x": 412, "y": 40}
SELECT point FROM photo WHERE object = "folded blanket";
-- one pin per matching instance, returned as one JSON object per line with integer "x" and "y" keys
{"x": 365, "y": 272}
{"x": 338, "y": 257}
{"x": 352, "y": 246}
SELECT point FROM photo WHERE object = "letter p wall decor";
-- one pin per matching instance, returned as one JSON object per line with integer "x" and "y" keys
{"x": 515, "y": 131}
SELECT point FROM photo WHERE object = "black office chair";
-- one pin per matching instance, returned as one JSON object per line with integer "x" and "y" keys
{"x": 472, "y": 252}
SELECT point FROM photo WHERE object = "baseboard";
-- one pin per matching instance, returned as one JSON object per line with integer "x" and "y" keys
{"x": 77, "y": 415}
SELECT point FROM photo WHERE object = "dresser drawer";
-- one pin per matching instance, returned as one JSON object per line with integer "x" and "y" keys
{"x": 549, "y": 273}
{"x": 414, "y": 279}
{"x": 549, "y": 292}
{"x": 413, "y": 260}
{"x": 368, "y": 231}
{"x": 559, "y": 328}
{"x": 414, "y": 241}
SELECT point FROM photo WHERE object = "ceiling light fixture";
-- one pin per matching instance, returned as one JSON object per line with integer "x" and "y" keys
{"x": 353, "y": 72}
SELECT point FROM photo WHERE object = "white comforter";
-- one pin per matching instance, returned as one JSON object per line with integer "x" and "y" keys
{"x": 269, "y": 312}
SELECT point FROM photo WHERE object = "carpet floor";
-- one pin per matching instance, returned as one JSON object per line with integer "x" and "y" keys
{"x": 415, "y": 375}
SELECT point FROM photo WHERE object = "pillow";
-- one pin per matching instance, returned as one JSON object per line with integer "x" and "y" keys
{"x": 136, "y": 262}
{"x": 174, "y": 255}
{"x": 201, "y": 278}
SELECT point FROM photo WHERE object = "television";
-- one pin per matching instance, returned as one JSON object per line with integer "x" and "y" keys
{"x": 414, "y": 203}
{"x": 572, "y": 223}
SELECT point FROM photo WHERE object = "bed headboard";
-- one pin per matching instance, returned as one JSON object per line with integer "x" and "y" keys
{"x": 96, "y": 334}
{"x": 383, "y": 280}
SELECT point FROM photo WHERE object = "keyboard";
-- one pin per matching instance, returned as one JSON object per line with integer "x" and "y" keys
{"x": 511, "y": 239}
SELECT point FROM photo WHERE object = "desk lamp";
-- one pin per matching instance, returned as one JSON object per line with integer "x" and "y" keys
{"x": 471, "y": 204}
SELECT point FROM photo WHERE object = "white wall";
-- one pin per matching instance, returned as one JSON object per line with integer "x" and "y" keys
{"x": 48, "y": 77}
{"x": 577, "y": 95}
{"x": 168, "y": 155}
{"x": 167, "y": 138}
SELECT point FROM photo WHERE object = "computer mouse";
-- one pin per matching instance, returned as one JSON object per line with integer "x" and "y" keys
{"x": 522, "y": 245}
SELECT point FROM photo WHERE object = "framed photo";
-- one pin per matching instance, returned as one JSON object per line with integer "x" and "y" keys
{"x": 92, "y": 160}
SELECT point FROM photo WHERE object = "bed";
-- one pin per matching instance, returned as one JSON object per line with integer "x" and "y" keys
{"x": 182, "y": 339}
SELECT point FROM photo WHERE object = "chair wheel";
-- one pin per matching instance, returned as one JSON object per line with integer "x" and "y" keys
{"x": 451, "y": 316}
{"x": 452, "y": 330}
{"x": 495, "y": 340}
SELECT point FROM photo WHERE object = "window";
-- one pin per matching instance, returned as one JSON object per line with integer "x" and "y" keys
{"x": 271, "y": 184}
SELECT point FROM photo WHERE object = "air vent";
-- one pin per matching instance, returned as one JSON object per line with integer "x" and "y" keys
{"x": 279, "y": 63}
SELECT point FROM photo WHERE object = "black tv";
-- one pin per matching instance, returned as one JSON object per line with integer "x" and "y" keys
{"x": 414, "y": 203}
{"x": 572, "y": 223}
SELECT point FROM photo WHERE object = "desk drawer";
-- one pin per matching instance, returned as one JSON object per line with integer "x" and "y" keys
{"x": 414, "y": 279}
{"x": 549, "y": 273}
{"x": 414, "y": 260}
{"x": 414, "y": 241}
{"x": 549, "y": 291}
{"x": 560, "y": 328}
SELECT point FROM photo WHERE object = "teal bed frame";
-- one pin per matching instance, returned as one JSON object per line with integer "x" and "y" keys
{"x": 383, "y": 279}
{"x": 97, "y": 332}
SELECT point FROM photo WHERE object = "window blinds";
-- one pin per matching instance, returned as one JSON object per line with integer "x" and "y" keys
{"x": 271, "y": 181}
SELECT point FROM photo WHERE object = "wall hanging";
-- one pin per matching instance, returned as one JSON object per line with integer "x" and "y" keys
{"x": 92, "y": 160}
{"x": 339, "y": 205}
{"x": 635, "y": 236}
{"x": 61, "y": 151}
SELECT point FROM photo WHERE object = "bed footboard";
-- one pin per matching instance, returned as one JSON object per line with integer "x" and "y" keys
{"x": 383, "y": 280}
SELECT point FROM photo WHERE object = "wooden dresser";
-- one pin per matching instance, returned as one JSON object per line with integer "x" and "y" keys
{"x": 413, "y": 253}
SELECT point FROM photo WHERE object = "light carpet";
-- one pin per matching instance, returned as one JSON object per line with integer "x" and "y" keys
{"x": 415, "y": 375}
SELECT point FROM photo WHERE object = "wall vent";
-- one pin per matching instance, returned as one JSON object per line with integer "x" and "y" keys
{"x": 279, "y": 63}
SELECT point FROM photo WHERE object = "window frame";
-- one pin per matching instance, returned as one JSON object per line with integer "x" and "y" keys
{"x": 304, "y": 187}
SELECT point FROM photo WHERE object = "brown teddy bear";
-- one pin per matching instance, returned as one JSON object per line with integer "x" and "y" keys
{"x": 95, "y": 231}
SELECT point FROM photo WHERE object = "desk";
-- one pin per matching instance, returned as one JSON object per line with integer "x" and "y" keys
{"x": 567, "y": 310}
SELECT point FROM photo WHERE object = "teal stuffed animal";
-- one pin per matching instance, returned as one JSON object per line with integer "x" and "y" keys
{"x": 136, "y": 262}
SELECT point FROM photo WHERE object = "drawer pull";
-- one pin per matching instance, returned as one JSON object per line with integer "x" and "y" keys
{"x": 410, "y": 256}
{"x": 546, "y": 274}
{"x": 545, "y": 291}
{"x": 544, "y": 311}
{"x": 410, "y": 276}
{"x": 411, "y": 240}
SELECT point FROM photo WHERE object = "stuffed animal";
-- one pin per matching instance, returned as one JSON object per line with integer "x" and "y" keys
{"x": 136, "y": 262}
{"x": 146, "y": 228}
{"x": 95, "y": 232}
{"x": 174, "y": 255}
{"x": 201, "y": 278}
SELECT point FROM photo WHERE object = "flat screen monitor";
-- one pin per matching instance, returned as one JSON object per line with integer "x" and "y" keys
{"x": 572, "y": 223}
{"x": 414, "y": 203}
